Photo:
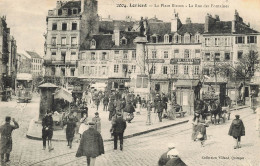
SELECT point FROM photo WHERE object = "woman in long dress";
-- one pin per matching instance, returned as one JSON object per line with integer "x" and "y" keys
{"x": 84, "y": 121}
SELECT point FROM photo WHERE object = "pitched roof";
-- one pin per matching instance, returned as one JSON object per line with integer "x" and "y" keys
{"x": 130, "y": 36}
{"x": 34, "y": 54}
{"x": 71, "y": 4}
{"x": 160, "y": 28}
{"x": 103, "y": 41}
{"x": 191, "y": 28}
{"x": 109, "y": 26}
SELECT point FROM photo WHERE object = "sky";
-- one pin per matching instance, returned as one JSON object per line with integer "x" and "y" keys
{"x": 27, "y": 18}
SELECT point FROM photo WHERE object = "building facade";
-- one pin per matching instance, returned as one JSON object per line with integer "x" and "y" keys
{"x": 36, "y": 64}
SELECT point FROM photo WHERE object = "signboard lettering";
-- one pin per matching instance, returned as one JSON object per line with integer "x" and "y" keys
{"x": 185, "y": 61}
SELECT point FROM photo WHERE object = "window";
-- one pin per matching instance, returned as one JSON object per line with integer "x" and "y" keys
{"x": 64, "y": 26}
{"x": 207, "y": 41}
{"x": 54, "y": 26}
{"x": 93, "y": 44}
{"x": 186, "y": 38}
{"x": 63, "y": 72}
{"x": 240, "y": 40}
{"x": 251, "y": 39}
{"x": 73, "y": 41}
{"x": 165, "y": 54}
{"x": 175, "y": 69}
{"x": 217, "y": 41}
{"x": 196, "y": 70}
{"x": 175, "y": 38}
{"x": 197, "y": 53}
{"x": 165, "y": 70}
{"x": 154, "y": 54}
{"x": 83, "y": 69}
{"x": 59, "y": 12}
{"x": 53, "y": 53}
{"x": 207, "y": 56}
{"x": 153, "y": 70}
{"x": 124, "y": 41}
{"x": 186, "y": 69}
{"x": 72, "y": 72}
{"x": 217, "y": 56}
{"x": 166, "y": 38}
{"x": 116, "y": 68}
{"x": 104, "y": 54}
{"x": 133, "y": 55}
{"x": 93, "y": 56}
{"x": 63, "y": 41}
{"x": 92, "y": 70}
{"x": 73, "y": 53}
{"x": 239, "y": 54}
{"x": 103, "y": 70}
{"x": 197, "y": 38}
{"x": 74, "y": 26}
{"x": 227, "y": 56}
{"x": 176, "y": 53}
{"x": 186, "y": 53}
{"x": 227, "y": 41}
{"x": 53, "y": 41}
{"x": 75, "y": 11}
{"x": 69, "y": 12}
{"x": 125, "y": 54}
{"x": 154, "y": 39}
{"x": 116, "y": 54}
{"x": 205, "y": 71}
{"x": 133, "y": 68}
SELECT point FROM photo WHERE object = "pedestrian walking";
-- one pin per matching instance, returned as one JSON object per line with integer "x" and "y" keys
{"x": 6, "y": 142}
{"x": 105, "y": 102}
{"x": 165, "y": 102}
{"x": 70, "y": 130}
{"x": 111, "y": 109}
{"x": 97, "y": 122}
{"x": 202, "y": 132}
{"x": 194, "y": 122}
{"x": 237, "y": 129}
{"x": 91, "y": 145}
{"x": 84, "y": 121}
{"x": 129, "y": 110}
{"x": 118, "y": 130}
{"x": 160, "y": 108}
{"x": 47, "y": 130}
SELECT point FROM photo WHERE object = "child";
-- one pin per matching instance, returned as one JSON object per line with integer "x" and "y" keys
{"x": 97, "y": 122}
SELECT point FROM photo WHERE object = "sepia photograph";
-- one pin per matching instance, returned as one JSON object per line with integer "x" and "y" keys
{"x": 130, "y": 82}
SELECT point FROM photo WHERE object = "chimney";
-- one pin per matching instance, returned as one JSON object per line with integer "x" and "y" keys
{"x": 175, "y": 22}
{"x": 188, "y": 20}
{"x": 209, "y": 22}
{"x": 236, "y": 18}
{"x": 117, "y": 35}
{"x": 58, "y": 4}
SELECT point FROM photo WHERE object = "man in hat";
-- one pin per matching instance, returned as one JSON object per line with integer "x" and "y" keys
{"x": 6, "y": 138}
{"x": 160, "y": 110}
{"x": 91, "y": 145}
{"x": 237, "y": 129}
{"x": 118, "y": 130}
{"x": 47, "y": 130}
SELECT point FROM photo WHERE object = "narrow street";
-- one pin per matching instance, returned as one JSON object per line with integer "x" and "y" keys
{"x": 140, "y": 150}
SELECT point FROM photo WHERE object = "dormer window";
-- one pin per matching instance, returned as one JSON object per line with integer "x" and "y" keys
{"x": 124, "y": 41}
{"x": 154, "y": 39}
{"x": 197, "y": 38}
{"x": 176, "y": 38}
{"x": 93, "y": 44}
{"x": 166, "y": 38}
{"x": 187, "y": 38}
{"x": 75, "y": 11}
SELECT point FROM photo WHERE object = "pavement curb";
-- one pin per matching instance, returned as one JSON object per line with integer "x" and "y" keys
{"x": 135, "y": 134}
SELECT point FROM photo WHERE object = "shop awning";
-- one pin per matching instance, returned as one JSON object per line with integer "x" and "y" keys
{"x": 63, "y": 94}
{"x": 186, "y": 83}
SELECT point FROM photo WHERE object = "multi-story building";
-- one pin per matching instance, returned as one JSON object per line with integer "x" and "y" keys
{"x": 62, "y": 40}
{"x": 36, "y": 63}
{"x": 106, "y": 50}
{"x": 24, "y": 63}
{"x": 8, "y": 63}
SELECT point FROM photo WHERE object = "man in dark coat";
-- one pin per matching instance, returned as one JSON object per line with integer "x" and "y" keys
{"x": 160, "y": 110}
{"x": 165, "y": 101}
{"x": 6, "y": 138}
{"x": 111, "y": 109}
{"x": 47, "y": 130}
{"x": 156, "y": 101}
{"x": 105, "y": 102}
{"x": 91, "y": 145}
{"x": 129, "y": 109}
{"x": 71, "y": 121}
{"x": 118, "y": 130}
{"x": 237, "y": 129}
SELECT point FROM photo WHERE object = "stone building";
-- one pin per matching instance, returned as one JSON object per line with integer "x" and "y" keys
{"x": 24, "y": 63}
{"x": 36, "y": 63}
{"x": 8, "y": 63}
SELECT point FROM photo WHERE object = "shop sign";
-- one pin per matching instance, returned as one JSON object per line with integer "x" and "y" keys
{"x": 93, "y": 62}
{"x": 155, "y": 60}
{"x": 122, "y": 61}
{"x": 185, "y": 61}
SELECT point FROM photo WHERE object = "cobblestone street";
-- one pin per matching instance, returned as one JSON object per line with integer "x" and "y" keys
{"x": 140, "y": 150}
